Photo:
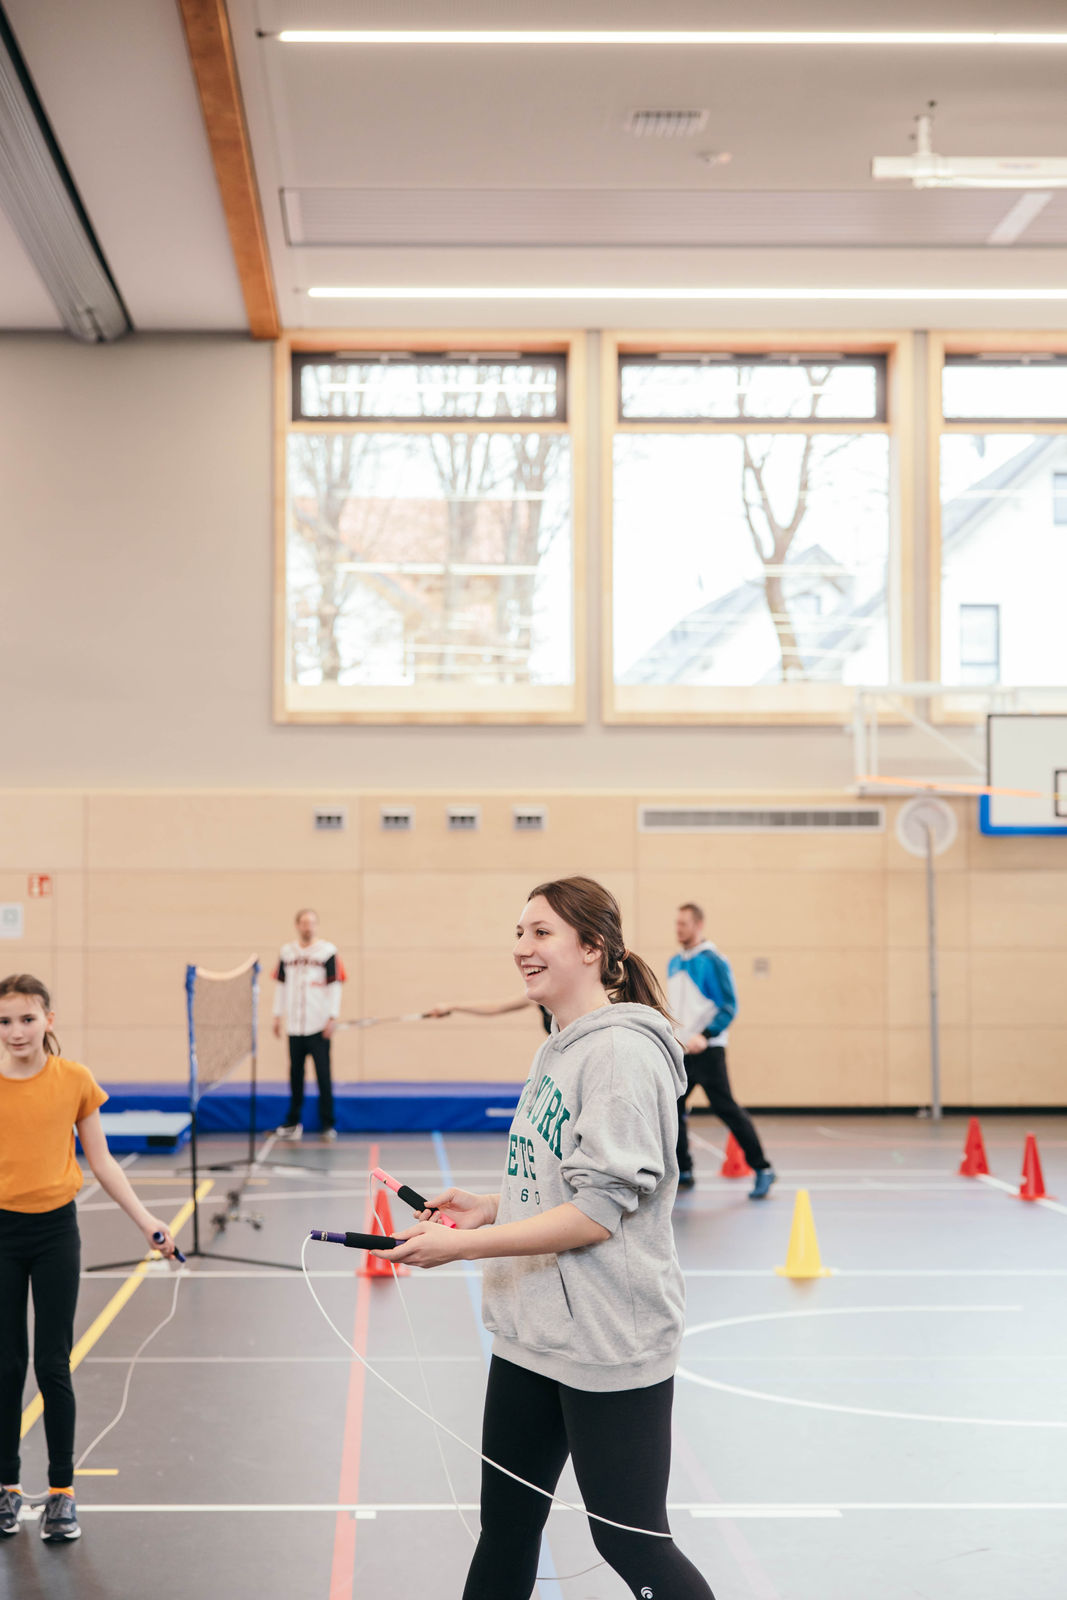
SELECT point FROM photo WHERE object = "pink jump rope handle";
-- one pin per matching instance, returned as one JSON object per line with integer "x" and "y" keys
{"x": 409, "y": 1196}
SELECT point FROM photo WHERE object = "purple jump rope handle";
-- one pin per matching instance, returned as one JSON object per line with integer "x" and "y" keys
{"x": 356, "y": 1241}
{"x": 160, "y": 1238}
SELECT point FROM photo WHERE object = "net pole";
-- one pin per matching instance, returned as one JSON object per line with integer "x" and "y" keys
{"x": 255, "y": 1065}
{"x": 190, "y": 991}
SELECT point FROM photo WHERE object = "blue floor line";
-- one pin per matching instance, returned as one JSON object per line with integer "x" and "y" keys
{"x": 548, "y": 1585}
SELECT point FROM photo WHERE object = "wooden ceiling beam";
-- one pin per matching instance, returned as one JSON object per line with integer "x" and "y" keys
{"x": 207, "y": 31}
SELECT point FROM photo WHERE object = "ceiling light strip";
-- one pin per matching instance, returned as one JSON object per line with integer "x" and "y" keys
{"x": 612, "y": 36}
{"x": 614, "y": 292}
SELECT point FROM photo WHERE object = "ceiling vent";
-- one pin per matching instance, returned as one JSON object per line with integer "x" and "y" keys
{"x": 761, "y": 819}
{"x": 665, "y": 124}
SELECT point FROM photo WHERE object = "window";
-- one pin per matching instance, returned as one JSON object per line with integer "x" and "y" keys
{"x": 1000, "y": 524}
{"x": 751, "y": 556}
{"x": 993, "y": 388}
{"x": 979, "y": 644}
{"x": 429, "y": 536}
{"x": 1059, "y": 499}
{"x": 669, "y": 387}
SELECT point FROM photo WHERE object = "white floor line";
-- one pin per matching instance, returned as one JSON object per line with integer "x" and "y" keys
{"x": 1013, "y": 1188}
{"x": 857, "y": 1411}
{"x": 706, "y": 1144}
{"x": 265, "y": 1361}
{"x": 704, "y": 1185}
{"x": 441, "y": 1274}
{"x": 718, "y": 1509}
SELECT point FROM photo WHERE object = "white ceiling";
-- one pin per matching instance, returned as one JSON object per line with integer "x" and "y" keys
{"x": 422, "y": 165}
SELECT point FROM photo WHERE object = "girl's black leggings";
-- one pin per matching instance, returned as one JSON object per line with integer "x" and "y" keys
{"x": 39, "y": 1251}
{"x": 620, "y": 1444}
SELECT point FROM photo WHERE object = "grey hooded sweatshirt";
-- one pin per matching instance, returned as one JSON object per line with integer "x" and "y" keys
{"x": 596, "y": 1126}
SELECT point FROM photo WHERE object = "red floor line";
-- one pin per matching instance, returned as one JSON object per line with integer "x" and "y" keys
{"x": 343, "y": 1570}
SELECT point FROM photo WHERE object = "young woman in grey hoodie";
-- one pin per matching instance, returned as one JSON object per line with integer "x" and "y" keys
{"x": 582, "y": 1288}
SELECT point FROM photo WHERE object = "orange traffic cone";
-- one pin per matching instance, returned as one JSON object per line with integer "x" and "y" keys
{"x": 734, "y": 1164}
{"x": 974, "y": 1163}
{"x": 1033, "y": 1183}
{"x": 374, "y": 1266}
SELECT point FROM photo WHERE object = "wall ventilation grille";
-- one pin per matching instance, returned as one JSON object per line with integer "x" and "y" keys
{"x": 665, "y": 124}
{"x": 464, "y": 819}
{"x": 397, "y": 819}
{"x": 331, "y": 819}
{"x": 759, "y": 819}
{"x": 533, "y": 819}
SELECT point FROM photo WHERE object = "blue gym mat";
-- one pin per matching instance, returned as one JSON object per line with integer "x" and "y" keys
{"x": 359, "y": 1107}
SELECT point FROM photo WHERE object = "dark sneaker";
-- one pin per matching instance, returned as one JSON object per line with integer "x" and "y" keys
{"x": 10, "y": 1509}
{"x": 762, "y": 1186}
{"x": 686, "y": 1180}
{"x": 329, "y": 1135}
{"x": 59, "y": 1519}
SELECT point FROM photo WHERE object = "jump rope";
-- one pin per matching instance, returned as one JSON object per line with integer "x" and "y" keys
{"x": 376, "y": 1240}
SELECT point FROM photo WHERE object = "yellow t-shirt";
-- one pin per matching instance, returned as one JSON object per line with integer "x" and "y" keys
{"x": 38, "y": 1167}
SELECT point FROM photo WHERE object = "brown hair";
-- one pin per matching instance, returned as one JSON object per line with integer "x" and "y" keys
{"x": 691, "y": 905}
{"x": 593, "y": 912}
{"x": 22, "y": 983}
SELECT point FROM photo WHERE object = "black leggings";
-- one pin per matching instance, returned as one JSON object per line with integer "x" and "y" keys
{"x": 708, "y": 1068}
{"x": 317, "y": 1046}
{"x": 40, "y": 1251}
{"x": 620, "y": 1444}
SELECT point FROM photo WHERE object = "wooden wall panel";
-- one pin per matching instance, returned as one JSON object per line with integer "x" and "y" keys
{"x": 189, "y": 911}
{"x": 809, "y": 1066}
{"x": 221, "y": 832}
{"x": 908, "y": 1070}
{"x": 758, "y": 909}
{"x": 826, "y": 936}
{"x": 41, "y": 832}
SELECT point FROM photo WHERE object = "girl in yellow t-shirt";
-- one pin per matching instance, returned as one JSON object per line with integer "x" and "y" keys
{"x": 42, "y": 1098}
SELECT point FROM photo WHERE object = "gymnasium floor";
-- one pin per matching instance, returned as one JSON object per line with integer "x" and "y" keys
{"x": 894, "y": 1430}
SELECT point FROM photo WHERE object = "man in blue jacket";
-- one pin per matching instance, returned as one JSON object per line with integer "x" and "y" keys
{"x": 703, "y": 1001}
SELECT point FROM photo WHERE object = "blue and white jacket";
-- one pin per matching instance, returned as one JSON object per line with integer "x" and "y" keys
{"x": 700, "y": 993}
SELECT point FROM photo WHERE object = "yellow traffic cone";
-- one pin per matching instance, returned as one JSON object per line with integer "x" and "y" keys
{"x": 802, "y": 1258}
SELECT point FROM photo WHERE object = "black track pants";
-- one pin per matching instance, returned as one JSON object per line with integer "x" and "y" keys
{"x": 317, "y": 1046}
{"x": 40, "y": 1252}
{"x": 620, "y": 1444}
{"x": 708, "y": 1068}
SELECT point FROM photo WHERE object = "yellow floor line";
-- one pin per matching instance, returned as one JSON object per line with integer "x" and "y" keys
{"x": 96, "y": 1472}
{"x": 124, "y": 1292}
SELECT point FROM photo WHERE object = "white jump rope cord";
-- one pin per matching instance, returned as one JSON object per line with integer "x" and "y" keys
{"x": 40, "y": 1499}
{"x": 623, "y": 1527}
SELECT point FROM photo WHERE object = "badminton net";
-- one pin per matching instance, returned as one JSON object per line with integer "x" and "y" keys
{"x": 222, "y": 1023}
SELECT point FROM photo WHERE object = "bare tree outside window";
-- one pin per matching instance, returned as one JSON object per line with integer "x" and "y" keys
{"x": 439, "y": 556}
{"x": 754, "y": 554}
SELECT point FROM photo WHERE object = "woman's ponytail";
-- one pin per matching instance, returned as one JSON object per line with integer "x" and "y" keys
{"x": 638, "y": 985}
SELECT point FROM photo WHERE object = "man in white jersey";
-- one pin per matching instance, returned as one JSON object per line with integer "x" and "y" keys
{"x": 307, "y": 1003}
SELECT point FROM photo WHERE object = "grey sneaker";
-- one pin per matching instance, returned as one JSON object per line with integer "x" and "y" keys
{"x": 329, "y": 1135}
{"x": 10, "y": 1510}
{"x": 290, "y": 1130}
{"x": 59, "y": 1519}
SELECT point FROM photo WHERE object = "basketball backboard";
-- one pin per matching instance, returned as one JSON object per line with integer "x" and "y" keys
{"x": 1026, "y": 752}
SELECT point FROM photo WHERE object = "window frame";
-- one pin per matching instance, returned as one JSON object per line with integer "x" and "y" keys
{"x": 947, "y": 707}
{"x": 560, "y": 704}
{"x": 782, "y": 703}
